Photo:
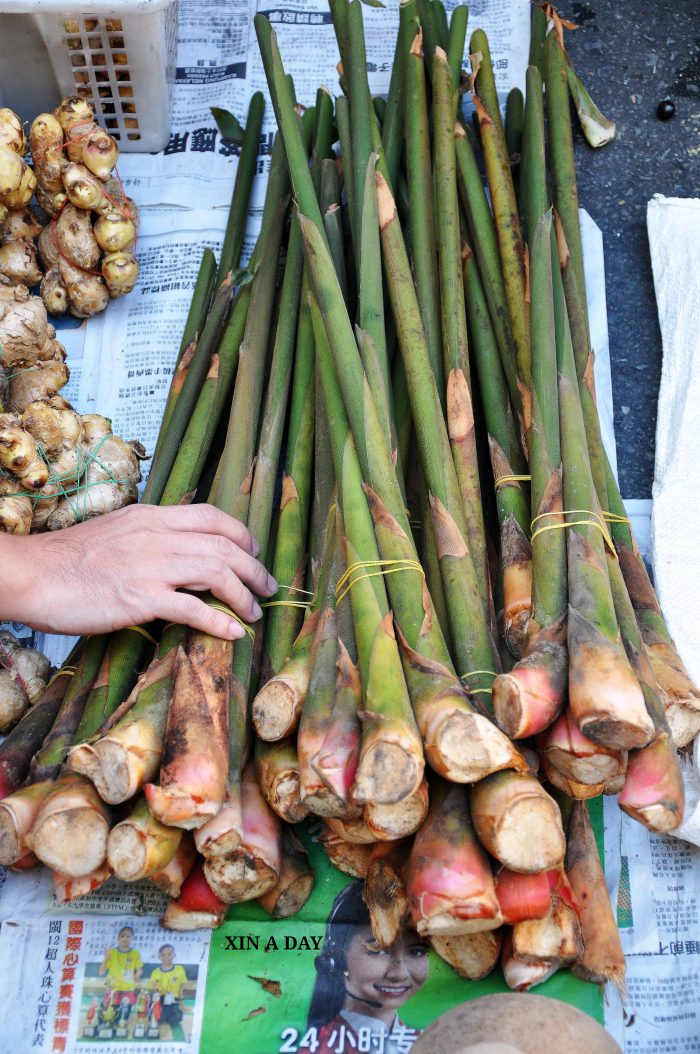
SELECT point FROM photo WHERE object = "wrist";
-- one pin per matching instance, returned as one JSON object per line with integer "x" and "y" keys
{"x": 18, "y": 560}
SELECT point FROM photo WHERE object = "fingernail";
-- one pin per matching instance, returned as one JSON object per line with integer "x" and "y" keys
{"x": 235, "y": 630}
{"x": 271, "y": 585}
{"x": 256, "y": 548}
{"x": 257, "y": 611}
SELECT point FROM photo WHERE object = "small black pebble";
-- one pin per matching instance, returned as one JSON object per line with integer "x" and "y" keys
{"x": 665, "y": 110}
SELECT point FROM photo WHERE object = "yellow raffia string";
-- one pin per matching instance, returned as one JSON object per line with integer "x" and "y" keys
{"x": 284, "y": 604}
{"x": 595, "y": 521}
{"x": 500, "y": 480}
{"x": 80, "y": 475}
{"x": 67, "y": 671}
{"x": 227, "y": 611}
{"x": 144, "y": 633}
{"x": 614, "y": 517}
{"x": 477, "y": 691}
{"x": 388, "y": 567}
{"x": 302, "y": 605}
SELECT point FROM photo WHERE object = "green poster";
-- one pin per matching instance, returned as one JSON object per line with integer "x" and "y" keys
{"x": 316, "y": 982}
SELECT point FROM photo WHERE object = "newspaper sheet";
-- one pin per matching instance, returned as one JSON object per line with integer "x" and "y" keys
{"x": 52, "y": 956}
{"x": 218, "y": 64}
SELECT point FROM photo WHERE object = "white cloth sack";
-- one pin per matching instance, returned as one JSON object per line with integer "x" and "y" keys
{"x": 674, "y": 238}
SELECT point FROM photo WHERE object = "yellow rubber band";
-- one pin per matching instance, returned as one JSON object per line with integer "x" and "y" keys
{"x": 388, "y": 567}
{"x": 144, "y": 633}
{"x": 614, "y": 517}
{"x": 596, "y": 521}
{"x": 284, "y": 604}
{"x": 297, "y": 589}
{"x": 500, "y": 480}
{"x": 474, "y": 673}
{"x": 301, "y": 605}
{"x": 67, "y": 671}
{"x": 227, "y": 611}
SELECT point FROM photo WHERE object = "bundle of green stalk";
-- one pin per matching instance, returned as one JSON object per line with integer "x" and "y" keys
{"x": 444, "y": 669}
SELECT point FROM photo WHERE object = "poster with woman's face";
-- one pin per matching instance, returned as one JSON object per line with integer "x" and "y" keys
{"x": 318, "y": 981}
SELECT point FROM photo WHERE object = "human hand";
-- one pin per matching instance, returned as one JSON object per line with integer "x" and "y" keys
{"x": 128, "y": 567}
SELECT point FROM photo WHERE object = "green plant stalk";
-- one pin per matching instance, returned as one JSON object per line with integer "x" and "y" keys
{"x": 323, "y": 472}
{"x": 329, "y": 197}
{"x": 422, "y": 212}
{"x": 121, "y": 663}
{"x": 48, "y": 760}
{"x": 431, "y": 565}
{"x": 227, "y": 829}
{"x": 604, "y": 695}
{"x": 514, "y": 132}
{"x": 470, "y": 628}
{"x": 402, "y": 413}
{"x": 317, "y": 708}
{"x": 658, "y": 806}
{"x": 507, "y": 459}
{"x": 126, "y": 752}
{"x": 333, "y": 226}
{"x": 368, "y": 597}
{"x": 533, "y": 174}
{"x": 538, "y": 31}
{"x": 342, "y": 116}
{"x": 371, "y": 292}
{"x": 196, "y": 443}
{"x": 199, "y": 306}
{"x": 339, "y": 14}
{"x": 182, "y": 411}
{"x": 29, "y": 736}
{"x": 596, "y": 127}
{"x": 439, "y": 14}
{"x": 431, "y": 33}
{"x": 389, "y": 731}
{"x": 549, "y": 553}
{"x": 282, "y": 623}
{"x": 493, "y": 386}
{"x": 565, "y": 193}
{"x": 531, "y": 696}
{"x": 243, "y": 185}
{"x": 322, "y": 136}
{"x": 505, "y": 210}
{"x": 680, "y": 695}
{"x": 278, "y": 384}
{"x": 483, "y": 238}
{"x": 277, "y": 706}
{"x": 456, "y": 42}
{"x": 460, "y": 412}
{"x": 392, "y": 125}
{"x": 231, "y": 490}
{"x": 362, "y": 115}
{"x": 244, "y": 673}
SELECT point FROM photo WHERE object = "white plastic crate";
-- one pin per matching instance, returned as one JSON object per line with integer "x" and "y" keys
{"x": 121, "y": 56}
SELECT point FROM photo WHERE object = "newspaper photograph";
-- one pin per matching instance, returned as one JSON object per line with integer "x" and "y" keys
{"x": 101, "y": 983}
{"x": 101, "y": 973}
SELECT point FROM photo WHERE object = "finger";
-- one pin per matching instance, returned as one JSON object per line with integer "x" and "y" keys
{"x": 245, "y": 566}
{"x": 208, "y": 573}
{"x": 187, "y": 610}
{"x": 207, "y": 519}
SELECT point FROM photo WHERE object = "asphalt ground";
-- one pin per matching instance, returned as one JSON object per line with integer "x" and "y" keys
{"x": 631, "y": 57}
